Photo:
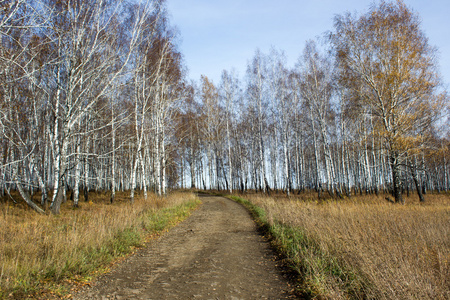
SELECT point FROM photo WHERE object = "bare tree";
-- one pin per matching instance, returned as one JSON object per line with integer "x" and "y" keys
{"x": 229, "y": 92}
{"x": 317, "y": 90}
{"x": 257, "y": 93}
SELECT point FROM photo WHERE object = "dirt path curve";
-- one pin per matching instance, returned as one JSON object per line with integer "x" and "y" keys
{"x": 215, "y": 254}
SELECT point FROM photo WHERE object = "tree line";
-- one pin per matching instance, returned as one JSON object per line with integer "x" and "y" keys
{"x": 87, "y": 93}
{"x": 363, "y": 111}
{"x": 94, "y": 96}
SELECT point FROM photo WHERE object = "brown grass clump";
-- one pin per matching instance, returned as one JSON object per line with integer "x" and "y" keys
{"x": 42, "y": 251}
{"x": 399, "y": 252}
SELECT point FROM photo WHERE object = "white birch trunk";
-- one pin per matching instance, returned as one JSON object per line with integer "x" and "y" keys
{"x": 163, "y": 158}
{"x": 113, "y": 156}
{"x": 316, "y": 154}
{"x": 286, "y": 161}
{"x": 260, "y": 133}
{"x": 230, "y": 165}
{"x": 86, "y": 169}
{"x": 158, "y": 160}
{"x": 76, "y": 189}
{"x": 144, "y": 178}
{"x": 57, "y": 152}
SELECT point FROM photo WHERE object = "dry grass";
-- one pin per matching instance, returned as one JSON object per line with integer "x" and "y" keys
{"x": 37, "y": 251}
{"x": 387, "y": 251}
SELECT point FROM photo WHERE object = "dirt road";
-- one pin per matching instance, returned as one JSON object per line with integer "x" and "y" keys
{"x": 215, "y": 254}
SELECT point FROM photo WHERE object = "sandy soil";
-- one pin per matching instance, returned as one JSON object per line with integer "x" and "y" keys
{"x": 216, "y": 253}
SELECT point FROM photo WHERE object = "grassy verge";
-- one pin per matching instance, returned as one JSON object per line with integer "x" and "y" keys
{"x": 361, "y": 248}
{"x": 41, "y": 256}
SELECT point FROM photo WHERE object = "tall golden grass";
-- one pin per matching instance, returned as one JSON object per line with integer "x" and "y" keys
{"x": 394, "y": 251}
{"x": 41, "y": 252}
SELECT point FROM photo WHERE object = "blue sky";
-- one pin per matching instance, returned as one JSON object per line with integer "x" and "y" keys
{"x": 217, "y": 35}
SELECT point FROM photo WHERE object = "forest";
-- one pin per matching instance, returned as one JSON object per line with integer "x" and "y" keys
{"x": 94, "y": 96}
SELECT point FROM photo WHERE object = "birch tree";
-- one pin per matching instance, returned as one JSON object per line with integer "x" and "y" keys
{"x": 257, "y": 97}
{"x": 21, "y": 101}
{"x": 316, "y": 90}
{"x": 229, "y": 92}
{"x": 385, "y": 58}
{"x": 166, "y": 103}
{"x": 210, "y": 99}
{"x": 86, "y": 65}
{"x": 282, "y": 100}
